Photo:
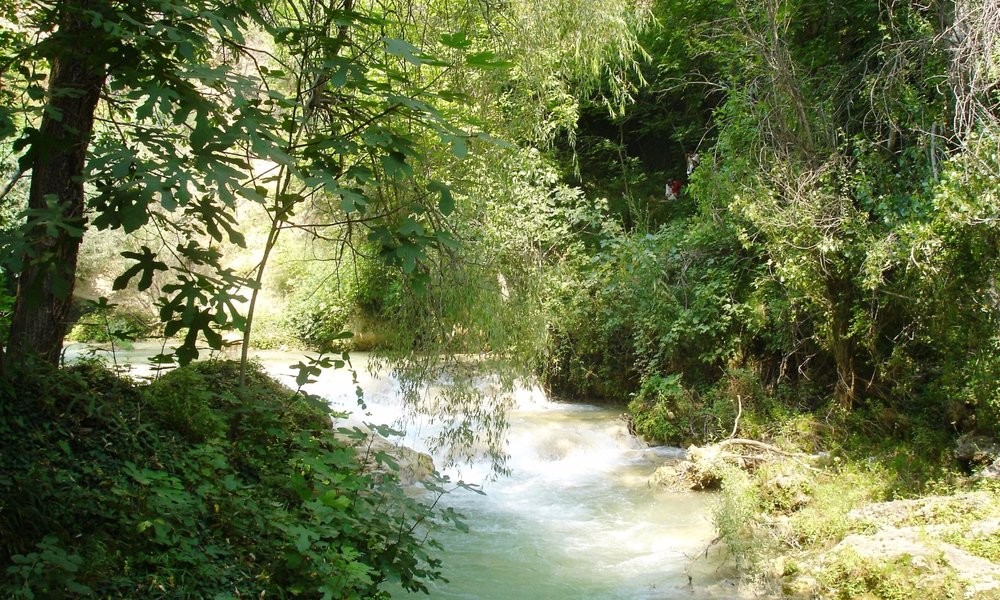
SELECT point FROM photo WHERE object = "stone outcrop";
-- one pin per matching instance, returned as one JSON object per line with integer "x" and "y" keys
{"x": 701, "y": 468}
{"x": 939, "y": 539}
{"x": 979, "y": 454}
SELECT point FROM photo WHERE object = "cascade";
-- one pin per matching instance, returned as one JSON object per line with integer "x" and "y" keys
{"x": 575, "y": 518}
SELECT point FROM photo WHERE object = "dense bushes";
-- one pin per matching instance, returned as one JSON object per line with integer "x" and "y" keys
{"x": 838, "y": 241}
{"x": 647, "y": 303}
{"x": 186, "y": 488}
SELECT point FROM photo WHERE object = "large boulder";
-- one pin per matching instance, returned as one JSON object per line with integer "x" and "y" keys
{"x": 699, "y": 470}
{"x": 941, "y": 545}
{"x": 991, "y": 471}
{"x": 979, "y": 454}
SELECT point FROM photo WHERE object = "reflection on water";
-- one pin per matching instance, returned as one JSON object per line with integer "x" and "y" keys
{"x": 576, "y": 517}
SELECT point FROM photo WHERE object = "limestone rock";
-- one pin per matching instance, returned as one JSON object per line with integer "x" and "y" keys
{"x": 787, "y": 492}
{"x": 373, "y": 450}
{"x": 698, "y": 471}
{"x": 977, "y": 450}
{"x": 802, "y": 586}
{"x": 991, "y": 471}
{"x": 929, "y": 509}
{"x": 978, "y": 575}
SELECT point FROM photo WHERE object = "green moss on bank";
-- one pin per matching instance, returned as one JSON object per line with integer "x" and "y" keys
{"x": 885, "y": 520}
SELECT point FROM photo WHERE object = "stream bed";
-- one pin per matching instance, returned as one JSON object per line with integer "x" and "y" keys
{"x": 576, "y": 517}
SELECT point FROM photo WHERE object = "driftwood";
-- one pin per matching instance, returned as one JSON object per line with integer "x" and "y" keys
{"x": 766, "y": 449}
{"x": 702, "y": 469}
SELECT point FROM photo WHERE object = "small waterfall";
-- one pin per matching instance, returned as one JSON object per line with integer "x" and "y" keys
{"x": 575, "y": 518}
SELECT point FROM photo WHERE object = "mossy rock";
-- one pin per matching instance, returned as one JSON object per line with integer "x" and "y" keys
{"x": 204, "y": 400}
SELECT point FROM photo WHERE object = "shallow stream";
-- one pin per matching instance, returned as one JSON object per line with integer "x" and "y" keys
{"x": 576, "y": 518}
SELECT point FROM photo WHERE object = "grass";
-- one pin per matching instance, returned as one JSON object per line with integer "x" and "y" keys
{"x": 784, "y": 519}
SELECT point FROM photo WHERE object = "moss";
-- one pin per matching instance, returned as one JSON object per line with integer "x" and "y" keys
{"x": 851, "y": 577}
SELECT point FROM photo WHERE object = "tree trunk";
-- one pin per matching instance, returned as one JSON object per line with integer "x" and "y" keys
{"x": 45, "y": 284}
{"x": 840, "y": 294}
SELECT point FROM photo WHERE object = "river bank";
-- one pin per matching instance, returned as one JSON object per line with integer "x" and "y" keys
{"x": 576, "y": 516}
{"x": 819, "y": 526}
{"x": 589, "y": 510}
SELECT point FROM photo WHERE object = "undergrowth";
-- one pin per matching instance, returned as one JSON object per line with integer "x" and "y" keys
{"x": 187, "y": 488}
{"x": 782, "y": 519}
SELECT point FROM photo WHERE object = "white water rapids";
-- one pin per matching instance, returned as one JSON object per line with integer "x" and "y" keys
{"x": 576, "y": 518}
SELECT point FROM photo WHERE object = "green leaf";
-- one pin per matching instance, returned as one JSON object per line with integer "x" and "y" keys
{"x": 487, "y": 60}
{"x": 456, "y": 40}
{"x": 404, "y": 50}
{"x": 395, "y": 165}
{"x": 459, "y": 147}
{"x": 446, "y": 204}
{"x": 411, "y": 227}
{"x": 7, "y": 127}
{"x": 411, "y": 53}
{"x": 147, "y": 265}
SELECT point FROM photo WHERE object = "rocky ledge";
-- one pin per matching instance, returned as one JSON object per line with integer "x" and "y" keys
{"x": 804, "y": 526}
{"x": 937, "y": 544}
{"x": 379, "y": 454}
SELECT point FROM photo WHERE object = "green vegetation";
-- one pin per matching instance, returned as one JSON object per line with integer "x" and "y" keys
{"x": 840, "y": 532}
{"x": 186, "y": 488}
{"x": 835, "y": 241}
{"x": 769, "y": 219}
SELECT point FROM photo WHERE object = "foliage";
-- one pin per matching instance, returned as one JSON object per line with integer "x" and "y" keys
{"x": 103, "y": 323}
{"x": 662, "y": 302}
{"x": 333, "y": 293}
{"x": 663, "y": 411}
{"x": 178, "y": 489}
{"x": 735, "y": 515}
{"x": 835, "y": 239}
{"x": 6, "y": 305}
{"x": 335, "y": 117}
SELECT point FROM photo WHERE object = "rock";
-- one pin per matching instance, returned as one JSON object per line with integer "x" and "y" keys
{"x": 703, "y": 466}
{"x": 986, "y": 528}
{"x": 787, "y": 492}
{"x": 414, "y": 466}
{"x": 991, "y": 471}
{"x": 935, "y": 537}
{"x": 802, "y": 586}
{"x": 973, "y": 451}
{"x": 977, "y": 575}
{"x": 699, "y": 471}
{"x": 929, "y": 509}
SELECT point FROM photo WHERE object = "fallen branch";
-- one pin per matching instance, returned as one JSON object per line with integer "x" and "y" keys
{"x": 795, "y": 456}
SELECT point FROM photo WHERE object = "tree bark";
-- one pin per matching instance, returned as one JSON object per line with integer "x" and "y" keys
{"x": 45, "y": 284}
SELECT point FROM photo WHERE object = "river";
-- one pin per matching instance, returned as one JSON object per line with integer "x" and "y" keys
{"x": 576, "y": 517}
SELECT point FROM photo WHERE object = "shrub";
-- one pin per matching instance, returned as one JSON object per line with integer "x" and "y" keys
{"x": 188, "y": 488}
{"x": 664, "y": 411}
{"x": 102, "y": 324}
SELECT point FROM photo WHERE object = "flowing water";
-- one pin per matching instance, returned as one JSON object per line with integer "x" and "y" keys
{"x": 576, "y": 518}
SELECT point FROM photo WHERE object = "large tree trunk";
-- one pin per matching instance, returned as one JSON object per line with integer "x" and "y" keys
{"x": 45, "y": 284}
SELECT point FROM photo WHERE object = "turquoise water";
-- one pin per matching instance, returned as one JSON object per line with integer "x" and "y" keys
{"x": 576, "y": 518}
